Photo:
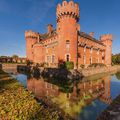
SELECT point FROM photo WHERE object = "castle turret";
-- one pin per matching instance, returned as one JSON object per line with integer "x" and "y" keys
{"x": 31, "y": 39}
{"x": 107, "y": 40}
{"x": 68, "y": 27}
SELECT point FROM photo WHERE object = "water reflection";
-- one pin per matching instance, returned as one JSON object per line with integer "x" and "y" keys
{"x": 72, "y": 96}
{"x": 118, "y": 75}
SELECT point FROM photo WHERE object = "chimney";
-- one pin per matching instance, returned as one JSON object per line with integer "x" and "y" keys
{"x": 50, "y": 28}
{"x": 91, "y": 34}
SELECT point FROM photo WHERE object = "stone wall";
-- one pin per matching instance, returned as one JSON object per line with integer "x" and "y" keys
{"x": 10, "y": 67}
{"x": 92, "y": 71}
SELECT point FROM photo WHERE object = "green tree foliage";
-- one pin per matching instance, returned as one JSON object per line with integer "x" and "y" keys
{"x": 69, "y": 65}
{"x": 66, "y": 65}
{"x": 15, "y": 56}
{"x": 116, "y": 59}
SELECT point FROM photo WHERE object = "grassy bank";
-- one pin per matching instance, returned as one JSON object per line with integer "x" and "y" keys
{"x": 18, "y": 104}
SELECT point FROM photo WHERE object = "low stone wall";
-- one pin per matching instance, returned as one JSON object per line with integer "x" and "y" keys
{"x": 11, "y": 67}
{"x": 92, "y": 71}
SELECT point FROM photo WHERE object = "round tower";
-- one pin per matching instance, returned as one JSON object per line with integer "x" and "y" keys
{"x": 31, "y": 39}
{"x": 67, "y": 29}
{"x": 107, "y": 40}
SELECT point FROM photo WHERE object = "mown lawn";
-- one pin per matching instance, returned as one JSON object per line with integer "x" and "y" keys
{"x": 18, "y": 104}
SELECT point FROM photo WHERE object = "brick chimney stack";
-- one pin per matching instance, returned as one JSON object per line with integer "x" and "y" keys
{"x": 50, "y": 28}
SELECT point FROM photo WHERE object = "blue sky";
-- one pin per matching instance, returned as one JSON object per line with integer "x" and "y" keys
{"x": 16, "y": 16}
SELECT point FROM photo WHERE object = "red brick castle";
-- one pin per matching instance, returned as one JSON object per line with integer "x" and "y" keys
{"x": 67, "y": 42}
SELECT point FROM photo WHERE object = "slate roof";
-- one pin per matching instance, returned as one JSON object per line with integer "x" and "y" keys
{"x": 83, "y": 34}
{"x": 47, "y": 36}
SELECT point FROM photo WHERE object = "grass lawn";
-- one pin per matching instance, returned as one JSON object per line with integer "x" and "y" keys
{"x": 18, "y": 104}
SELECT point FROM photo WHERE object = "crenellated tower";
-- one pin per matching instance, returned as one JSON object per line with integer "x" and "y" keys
{"x": 107, "y": 40}
{"x": 31, "y": 39}
{"x": 68, "y": 14}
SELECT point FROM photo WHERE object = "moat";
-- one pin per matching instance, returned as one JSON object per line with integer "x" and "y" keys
{"x": 82, "y": 100}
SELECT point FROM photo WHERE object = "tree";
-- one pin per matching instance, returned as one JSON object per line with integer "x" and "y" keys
{"x": 116, "y": 59}
{"x": 15, "y": 56}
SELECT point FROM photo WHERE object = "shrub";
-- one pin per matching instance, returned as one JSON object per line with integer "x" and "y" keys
{"x": 29, "y": 63}
{"x": 65, "y": 65}
{"x": 82, "y": 66}
{"x": 94, "y": 65}
{"x": 69, "y": 65}
{"x": 61, "y": 64}
{"x": 44, "y": 64}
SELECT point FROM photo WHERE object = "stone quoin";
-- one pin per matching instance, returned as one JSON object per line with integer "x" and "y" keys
{"x": 67, "y": 42}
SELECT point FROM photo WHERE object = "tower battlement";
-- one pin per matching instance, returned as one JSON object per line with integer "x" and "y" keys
{"x": 70, "y": 9}
{"x": 106, "y": 37}
{"x": 31, "y": 34}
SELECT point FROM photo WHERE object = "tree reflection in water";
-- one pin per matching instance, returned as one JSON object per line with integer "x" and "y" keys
{"x": 118, "y": 75}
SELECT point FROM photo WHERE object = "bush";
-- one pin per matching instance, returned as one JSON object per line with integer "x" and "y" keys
{"x": 29, "y": 63}
{"x": 94, "y": 65}
{"x": 69, "y": 65}
{"x": 65, "y": 65}
{"x": 82, "y": 66}
{"x": 61, "y": 64}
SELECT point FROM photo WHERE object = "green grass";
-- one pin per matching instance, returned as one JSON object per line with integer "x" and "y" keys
{"x": 18, "y": 104}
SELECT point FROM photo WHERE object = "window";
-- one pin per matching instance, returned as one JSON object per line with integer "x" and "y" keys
{"x": 90, "y": 60}
{"x": 48, "y": 59}
{"x": 85, "y": 49}
{"x": 53, "y": 58}
{"x": 91, "y": 50}
{"x": 46, "y": 50}
{"x": 67, "y": 45}
{"x": 67, "y": 58}
{"x": 98, "y": 52}
{"x": 84, "y": 59}
{"x": 98, "y": 60}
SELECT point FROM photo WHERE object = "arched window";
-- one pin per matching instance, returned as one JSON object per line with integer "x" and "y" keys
{"x": 67, "y": 45}
{"x": 67, "y": 57}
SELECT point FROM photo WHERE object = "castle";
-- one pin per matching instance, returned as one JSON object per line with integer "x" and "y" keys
{"x": 67, "y": 42}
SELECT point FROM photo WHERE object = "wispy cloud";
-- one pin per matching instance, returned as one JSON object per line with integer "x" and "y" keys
{"x": 39, "y": 9}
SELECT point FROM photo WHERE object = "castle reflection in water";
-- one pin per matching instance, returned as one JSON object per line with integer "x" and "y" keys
{"x": 74, "y": 96}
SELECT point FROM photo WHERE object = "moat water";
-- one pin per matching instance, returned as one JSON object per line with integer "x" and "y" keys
{"x": 83, "y": 100}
